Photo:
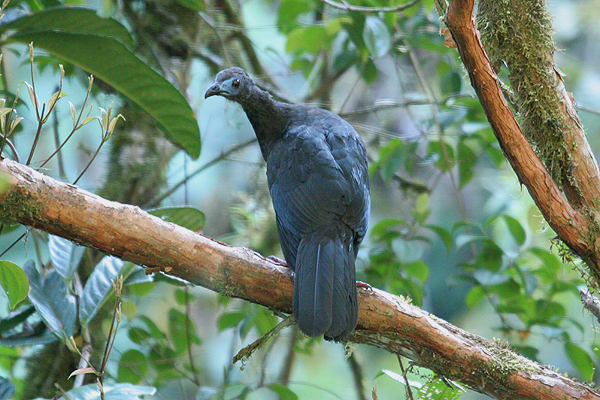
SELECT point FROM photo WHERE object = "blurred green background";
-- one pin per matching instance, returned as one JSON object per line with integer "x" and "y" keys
{"x": 451, "y": 227}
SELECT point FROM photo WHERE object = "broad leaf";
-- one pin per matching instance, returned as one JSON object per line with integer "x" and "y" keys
{"x": 73, "y": 20}
{"x": 52, "y": 300}
{"x": 65, "y": 256}
{"x": 133, "y": 366}
{"x": 377, "y": 37}
{"x": 97, "y": 288}
{"x": 581, "y": 360}
{"x": 102, "y": 47}
{"x": 14, "y": 282}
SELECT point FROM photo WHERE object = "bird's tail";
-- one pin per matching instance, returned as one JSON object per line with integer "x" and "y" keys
{"x": 325, "y": 297}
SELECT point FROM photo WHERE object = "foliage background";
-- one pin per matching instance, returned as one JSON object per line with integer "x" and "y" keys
{"x": 451, "y": 228}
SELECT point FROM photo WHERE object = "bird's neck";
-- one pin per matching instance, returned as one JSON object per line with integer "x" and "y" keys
{"x": 268, "y": 118}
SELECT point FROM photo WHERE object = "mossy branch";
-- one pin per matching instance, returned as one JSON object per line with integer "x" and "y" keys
{"x": 385, "y": 320}
{"x": 518, "y": 34}
{"x": 567, "y": 195}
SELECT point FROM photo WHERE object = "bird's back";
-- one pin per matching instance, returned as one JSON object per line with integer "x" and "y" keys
{"x": 318, "y": 178}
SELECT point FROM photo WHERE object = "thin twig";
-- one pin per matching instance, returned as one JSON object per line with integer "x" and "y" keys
{"x": 12, "y": 147}
{"x": 358, "y": 376}
{"x": 350, "y": 7}
{"x": 245, "y": 353}
{"x": 188, "y": 334}
{"x": 409, "y": 394}
{"x": 286, "y": 370}
{"x": 155, "y": 202}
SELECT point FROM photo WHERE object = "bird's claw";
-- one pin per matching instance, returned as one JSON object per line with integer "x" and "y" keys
{"x": 364, "y": 285}
{"x": 277, "y": 260}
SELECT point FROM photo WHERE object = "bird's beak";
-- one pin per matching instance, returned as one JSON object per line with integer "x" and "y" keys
{"x": 215, "y": 89}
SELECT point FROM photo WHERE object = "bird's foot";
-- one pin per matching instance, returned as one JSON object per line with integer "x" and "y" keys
{"x": 282, "y": 262}
{"x": 364, "y": 285}
{"x": 277, "y": 260}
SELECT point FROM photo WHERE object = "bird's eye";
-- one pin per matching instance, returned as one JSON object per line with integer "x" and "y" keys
{"x": 235, "y": 84}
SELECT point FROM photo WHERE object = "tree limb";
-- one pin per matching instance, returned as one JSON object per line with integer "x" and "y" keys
{"x": 385, "y": 320}
{"x": 571, "y": 225}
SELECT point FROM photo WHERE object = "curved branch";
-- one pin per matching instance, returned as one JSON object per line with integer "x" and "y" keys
{"x": 385, "y": 320}
{"x": 570, "y": 224}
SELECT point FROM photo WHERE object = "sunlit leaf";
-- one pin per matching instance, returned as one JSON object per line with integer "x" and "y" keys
{"x": 14, "y": 282}
{"x": 440, "y": 389}
{"x": 99, "y": 47}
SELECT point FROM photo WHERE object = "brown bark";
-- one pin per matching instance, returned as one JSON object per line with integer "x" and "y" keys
{"x": 385, "y": 320}
{"x": 575, "y": 228}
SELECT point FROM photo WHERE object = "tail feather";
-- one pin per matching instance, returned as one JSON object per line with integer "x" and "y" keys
{"x": 325, "y": 299}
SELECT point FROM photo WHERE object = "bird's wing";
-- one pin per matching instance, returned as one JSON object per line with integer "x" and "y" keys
{"x": 318, "y": 180}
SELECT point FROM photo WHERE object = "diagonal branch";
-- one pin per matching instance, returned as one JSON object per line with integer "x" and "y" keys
{"x": 573, "y": 227}
{"x": 385, "y": 320}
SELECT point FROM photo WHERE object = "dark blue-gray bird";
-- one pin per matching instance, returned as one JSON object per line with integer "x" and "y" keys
{"x": 319, "y": 184}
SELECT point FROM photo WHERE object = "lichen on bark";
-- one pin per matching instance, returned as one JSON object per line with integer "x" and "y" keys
{"x": 517, "y": 34}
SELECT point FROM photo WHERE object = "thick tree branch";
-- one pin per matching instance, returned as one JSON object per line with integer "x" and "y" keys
{"x": 574, "y": 228}
{"x": 385, "y": 321}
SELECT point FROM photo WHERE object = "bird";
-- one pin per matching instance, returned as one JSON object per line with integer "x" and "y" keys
{"x": 318, "y": 179}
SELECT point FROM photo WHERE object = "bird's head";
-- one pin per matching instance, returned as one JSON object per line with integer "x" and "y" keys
{"x": 233, "y": 83}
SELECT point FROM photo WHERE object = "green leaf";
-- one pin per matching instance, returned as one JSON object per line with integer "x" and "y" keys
{"x": 283, "y": 392}
{"x": 194, "y": 5}
{"x": 474, "y": 296}
{"x": 14, "y": 282}
{"x": 109, "y": 58}
{"x": 581, "y": 360}
{"x": 438, "y": 389}
{"x": 451, "y": 83}
{"x": 230, "y": 319}
{"x": 421, "y": 208}
{"x": 310, "y": 39}
{"x": 70, "y": 20}
{"x": 52, "y": 300}
{"x": 466, "y": 161}
{"x": 377, "y": 37}
{"x": 98, "y": 287}
{"x": 443, "y": 155}
{"x": 16, "y": 318}
{"x": 65, "y": 256}
{"x": 289, "y": 10}
{"x": 133, "y": 366}
{"x": 182, "y": 331}
{"x": 138, "y": 335}
{"x": 407, "y": 251}
{"x": 418, "y": 270}
{"x": 516, "y": 229}
{"x": 443, "y": 234}
{"x": 188, "y": 217}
